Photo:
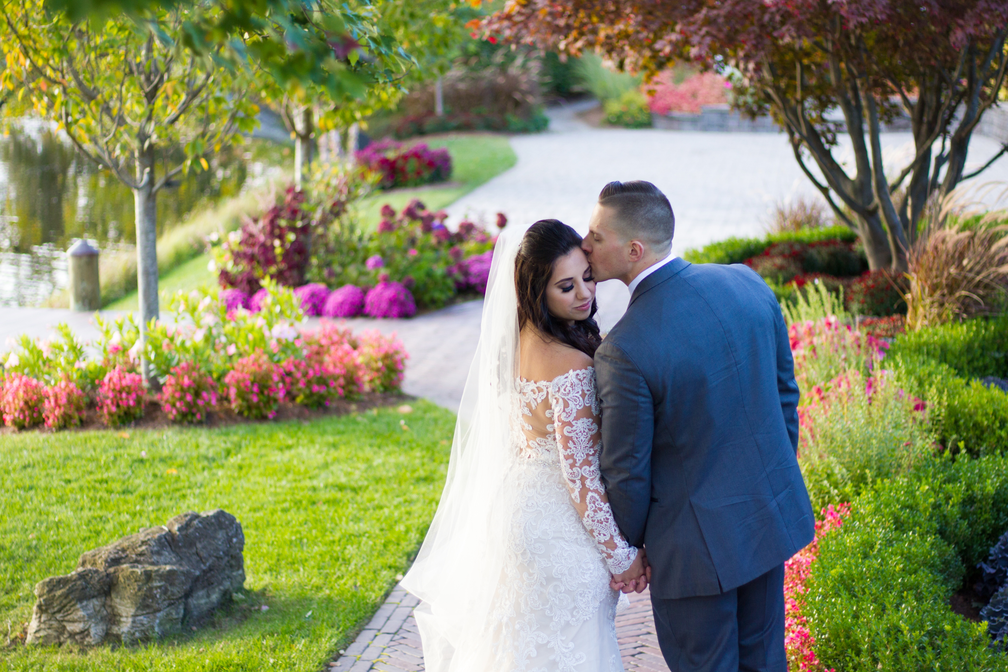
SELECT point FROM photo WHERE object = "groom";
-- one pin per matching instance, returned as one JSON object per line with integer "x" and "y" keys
{"x": 699, "y": 437}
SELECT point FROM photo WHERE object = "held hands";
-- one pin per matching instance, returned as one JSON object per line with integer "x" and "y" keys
{"x": 636, "y": 578}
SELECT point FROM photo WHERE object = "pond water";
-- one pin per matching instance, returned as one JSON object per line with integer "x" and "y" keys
{"x": 51, "y": 195}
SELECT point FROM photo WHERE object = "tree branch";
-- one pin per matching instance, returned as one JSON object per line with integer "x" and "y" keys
{"x": 1004, "y": 150}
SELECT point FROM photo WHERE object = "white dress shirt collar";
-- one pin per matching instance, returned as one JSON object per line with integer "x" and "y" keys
{"x": 648, "y": 271}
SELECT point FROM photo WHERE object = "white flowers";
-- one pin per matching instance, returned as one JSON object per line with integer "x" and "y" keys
{"x": 12, "y": 361}
{"x": 284, "y": 332}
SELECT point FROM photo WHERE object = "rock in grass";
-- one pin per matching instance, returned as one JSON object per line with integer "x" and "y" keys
{"x": 144, "y": 586}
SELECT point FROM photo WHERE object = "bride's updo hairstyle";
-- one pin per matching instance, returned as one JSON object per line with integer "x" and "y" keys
{"x": 546, "y": 241}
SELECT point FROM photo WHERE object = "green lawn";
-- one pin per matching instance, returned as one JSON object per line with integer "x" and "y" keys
{"x": 476, "y": 158}
{"x": 332, "y": 511}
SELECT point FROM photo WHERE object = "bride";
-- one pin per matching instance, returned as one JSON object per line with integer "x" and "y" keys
{"x": 520, "y": 570}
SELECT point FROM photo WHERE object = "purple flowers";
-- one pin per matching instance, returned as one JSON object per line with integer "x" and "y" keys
{"x": 347, "y": 301}
{"x": 389, "y": 299}
{"x": 233, "y": 299}
{"x": 313, "y": 298}
{"x": 476, "y": 271}
{"x": 375, "y": 262}
{"x": 255, "y": 303}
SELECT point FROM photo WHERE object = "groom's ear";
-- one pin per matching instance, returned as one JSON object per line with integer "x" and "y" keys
{"x": 636, "y": 251}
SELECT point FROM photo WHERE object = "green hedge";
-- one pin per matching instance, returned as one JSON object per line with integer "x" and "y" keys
{"x": 737, "y": 250}
{"x": 975, "y": 348}
{"x": 878, "y": 594}
{"x": 942, "y": 365}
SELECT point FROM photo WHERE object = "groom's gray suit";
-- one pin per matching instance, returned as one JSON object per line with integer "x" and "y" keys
{"x": 699, "y": 441}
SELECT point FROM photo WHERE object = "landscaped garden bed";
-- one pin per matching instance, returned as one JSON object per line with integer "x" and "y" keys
{"x": 411, "y": 261}
{"x": 903, "y": 443}
{"x": 214, "y": 362}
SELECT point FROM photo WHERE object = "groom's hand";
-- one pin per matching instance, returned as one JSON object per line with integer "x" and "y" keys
{"x": 635, "y": 578}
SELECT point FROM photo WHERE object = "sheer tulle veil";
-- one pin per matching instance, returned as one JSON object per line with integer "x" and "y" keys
{"x": 458, "y": 568}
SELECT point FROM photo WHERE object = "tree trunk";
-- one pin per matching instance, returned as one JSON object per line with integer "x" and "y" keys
{"x": 875, "y": 241}
{"x": 438, "y": 97}
{"x": 145, "y": 202}
{"x": 303, "y": 147}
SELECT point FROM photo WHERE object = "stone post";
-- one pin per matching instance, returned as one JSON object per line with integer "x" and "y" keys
{"x": 85, "y": 292}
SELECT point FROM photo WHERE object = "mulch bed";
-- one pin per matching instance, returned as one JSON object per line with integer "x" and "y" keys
{"x": 967, "y": 604}
{"x": 155, "y": 418}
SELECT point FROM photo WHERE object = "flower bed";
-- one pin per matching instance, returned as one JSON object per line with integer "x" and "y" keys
{"x": 212, "y": 359}
{"x": 798, "y": 641}
{"x": 412, "y": 261}
{"x": 690, "y": 95}
{"x": 401, "y": 165}
{"x": 794, "y": 262}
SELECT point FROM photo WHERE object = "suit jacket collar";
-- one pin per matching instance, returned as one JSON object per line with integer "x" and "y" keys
{"x": 664, "y": 273}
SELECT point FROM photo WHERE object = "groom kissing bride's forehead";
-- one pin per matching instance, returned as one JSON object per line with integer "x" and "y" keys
{"x": 699, "y": 437}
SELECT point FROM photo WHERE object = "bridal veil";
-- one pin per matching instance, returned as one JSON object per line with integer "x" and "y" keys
{"x": 459, "y": 567}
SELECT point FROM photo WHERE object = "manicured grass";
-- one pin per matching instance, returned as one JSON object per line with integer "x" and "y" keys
{"x": 331, "y": 509}
{"x": 476, "y": 158}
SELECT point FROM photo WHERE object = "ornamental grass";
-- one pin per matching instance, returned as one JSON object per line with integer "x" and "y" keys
{"x": 956, "y": 273}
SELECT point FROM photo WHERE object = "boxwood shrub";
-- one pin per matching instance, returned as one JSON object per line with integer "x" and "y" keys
{"x": 878, "y": 594}
{"x": 944, "y": 365}
{"x": 737, "y": 250}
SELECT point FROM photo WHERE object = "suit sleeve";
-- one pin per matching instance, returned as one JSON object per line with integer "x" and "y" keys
{"x": 627, "y": 433}
{"x": 787, "y": 386}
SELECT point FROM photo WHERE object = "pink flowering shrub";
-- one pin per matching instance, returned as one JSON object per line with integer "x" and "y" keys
{"x": 335, "y": 348}
{"x": 188, "y": 394}
{"x": 825, "y": 348}
{"x": 402, "y": 166}
{"x": 309, "y": 384}
{"x": 382, "y": 360}
{"x": 254, "y": 387}
{"x": 64, "y": 405}
{"x": 798, "y": 640}
{"x": 22, "y": 402}
{"x": 313, "y": 298}
{"x": 347, "y": 301}
{"x": 389, "y": 299}
{"x": 665, "y": 96}
{"x": 121, "y": 396}
{"x": 857, "y": 429}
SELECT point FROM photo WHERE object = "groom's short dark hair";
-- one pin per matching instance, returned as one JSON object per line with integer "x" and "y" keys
{"x": 642, "y": 212}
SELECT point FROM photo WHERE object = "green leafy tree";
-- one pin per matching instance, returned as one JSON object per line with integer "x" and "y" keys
{"x": 125, "y": 92}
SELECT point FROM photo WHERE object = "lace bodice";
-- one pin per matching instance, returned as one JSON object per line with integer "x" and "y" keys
{"x": 559, "y": 421}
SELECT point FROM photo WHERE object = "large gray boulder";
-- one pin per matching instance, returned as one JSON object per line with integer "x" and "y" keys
{"x": 144, "y": 586}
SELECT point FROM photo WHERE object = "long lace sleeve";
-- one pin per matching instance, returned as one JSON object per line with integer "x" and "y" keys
{"x": 576, "y": 414}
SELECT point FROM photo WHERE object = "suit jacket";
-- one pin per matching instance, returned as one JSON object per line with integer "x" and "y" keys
{"x": 700, "y": 429}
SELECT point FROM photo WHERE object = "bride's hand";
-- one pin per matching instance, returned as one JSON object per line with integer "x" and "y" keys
{"x": 634, "y": 579}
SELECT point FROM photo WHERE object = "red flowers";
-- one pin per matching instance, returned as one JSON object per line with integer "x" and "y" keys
{"x": 798, "y": 640}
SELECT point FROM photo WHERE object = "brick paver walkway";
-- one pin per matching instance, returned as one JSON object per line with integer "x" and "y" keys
{"x": 391, "y": 643}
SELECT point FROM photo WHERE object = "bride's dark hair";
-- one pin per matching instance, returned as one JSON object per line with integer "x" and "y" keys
{"x": 546, "y": 241}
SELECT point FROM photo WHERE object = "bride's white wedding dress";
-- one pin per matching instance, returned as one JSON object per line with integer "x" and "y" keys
{"x": 513, "y": 575}
{"x": 555, "y": 607}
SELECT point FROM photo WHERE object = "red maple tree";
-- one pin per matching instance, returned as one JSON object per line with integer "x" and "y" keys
{"x": 819, "y": 67}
